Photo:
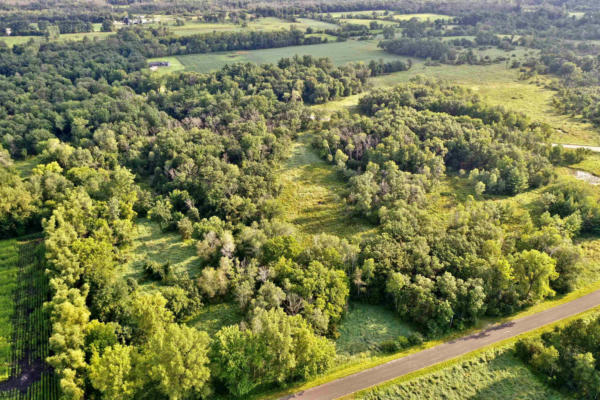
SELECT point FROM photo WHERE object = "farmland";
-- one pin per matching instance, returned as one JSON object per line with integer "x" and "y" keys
{"x": 25, "y": 323}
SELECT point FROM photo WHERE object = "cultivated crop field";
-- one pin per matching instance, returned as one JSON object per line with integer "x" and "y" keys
{"x": 24, "y": 323}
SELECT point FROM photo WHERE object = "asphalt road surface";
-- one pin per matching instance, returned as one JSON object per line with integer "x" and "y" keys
{"x": 595, "y": 149}
{"x": 449, "y": 350}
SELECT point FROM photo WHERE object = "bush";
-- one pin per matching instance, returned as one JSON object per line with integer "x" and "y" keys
{"x": 415, "y": 339}
{"x": 389, "y": 346}
{"x": 157, "y": 271}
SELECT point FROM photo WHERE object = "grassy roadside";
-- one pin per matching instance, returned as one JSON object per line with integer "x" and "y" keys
{"x": 499, "y": 345}
{"x": 361, "y": 365}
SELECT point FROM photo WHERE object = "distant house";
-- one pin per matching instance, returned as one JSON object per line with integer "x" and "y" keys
{"x": 141, "y": 19}
{"x": 156, "y": 64}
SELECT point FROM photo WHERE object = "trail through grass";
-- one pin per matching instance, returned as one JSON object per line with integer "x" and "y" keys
{"x": 312, "y": 195}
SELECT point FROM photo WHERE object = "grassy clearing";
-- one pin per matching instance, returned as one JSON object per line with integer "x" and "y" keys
{"x": 25, "y": 167}
{"x": 215, "y": 316}
{"x": 311, "y": 195}
{"x": 339, "y": 52}
{"x": 493, "y": 375}
{"x": 365, "y": 326}
{"x": 154, "y": 245}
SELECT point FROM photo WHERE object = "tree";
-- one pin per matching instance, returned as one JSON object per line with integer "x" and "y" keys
{"x": 112, "y": 373}
{"x": 107, "y": 25}
{"x": 177, "y": 361}
{"x": 275, "y": 348}
{"x": 533, "y": 272}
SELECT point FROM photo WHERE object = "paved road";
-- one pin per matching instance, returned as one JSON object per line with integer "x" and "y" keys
{"x": 595, "y": 149}
{"x": 446, "y": 351}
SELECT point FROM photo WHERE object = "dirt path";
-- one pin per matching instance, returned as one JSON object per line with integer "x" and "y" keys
{"x": 447, "y": 351}
{"x": 312, "y": 195}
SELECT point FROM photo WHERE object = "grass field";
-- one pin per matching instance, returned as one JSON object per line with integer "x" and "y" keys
{"x": 493, "y": 375}
{"x": 339, "y": 52}
{"x": 154, "y": 245}
{"x": 366, "y": 326}
{"x": 312, "y": 195}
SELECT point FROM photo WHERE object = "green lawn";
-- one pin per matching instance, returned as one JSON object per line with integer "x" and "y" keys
{"x": 339, "y": 52}
{"x": 154, "y": 245}
{"x": 366, "y": 326}
{"x": 493, "y": 375}
{"x": 312, "y": 195}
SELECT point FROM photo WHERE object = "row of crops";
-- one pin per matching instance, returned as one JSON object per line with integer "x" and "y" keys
{"x": 24, "y": 324}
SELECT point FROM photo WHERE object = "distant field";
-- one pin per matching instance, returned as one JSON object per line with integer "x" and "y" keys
{"x": 344, "y": 13}
{"x": 339, "y": 52}
{"x": 190, "y": 28}
{"x": 366, "y": 22}
{"x": 12, "y": 40}
{"x": 493, "y": 375}
{"x": 366, "y": 326}
{"x": 425, "y": 16}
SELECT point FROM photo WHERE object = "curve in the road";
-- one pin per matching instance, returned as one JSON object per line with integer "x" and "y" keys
{"x": 447, "y": 351}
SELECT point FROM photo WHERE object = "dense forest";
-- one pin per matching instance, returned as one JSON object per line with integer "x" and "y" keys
{"x": 94, "y": 146}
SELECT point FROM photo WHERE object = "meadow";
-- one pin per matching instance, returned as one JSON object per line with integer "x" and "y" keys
{"x": 312, "y": 196}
